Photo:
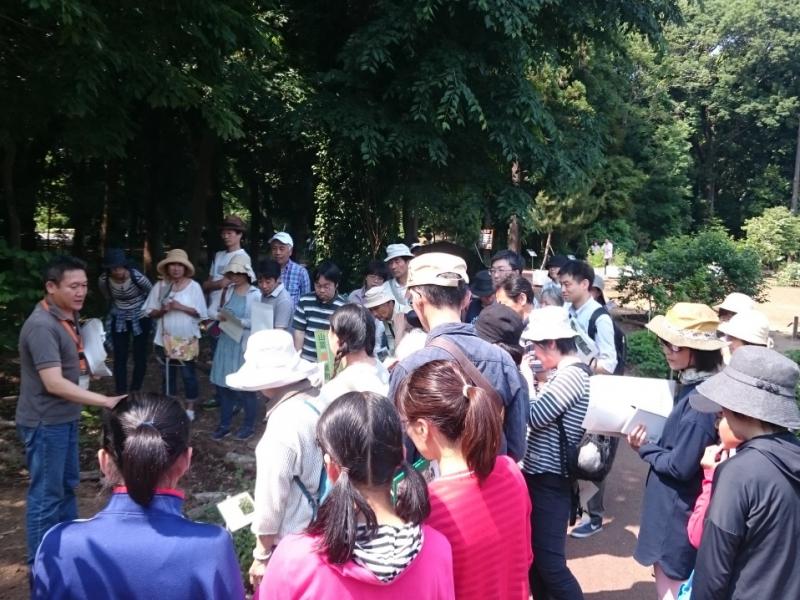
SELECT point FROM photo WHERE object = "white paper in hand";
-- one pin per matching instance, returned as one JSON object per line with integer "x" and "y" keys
{"x": 613, "y": 400}
{"x": 238, "y": 511}
{"x": 93, "y": 336}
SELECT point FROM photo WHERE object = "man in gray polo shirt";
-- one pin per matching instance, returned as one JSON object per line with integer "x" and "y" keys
{"x": 54, "y": 385}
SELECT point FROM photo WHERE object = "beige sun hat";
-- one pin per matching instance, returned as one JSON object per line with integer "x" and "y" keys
{"x": 736, "y": 302}
{"x": 437, "y": 268}
{"x": 240, "y": 263}
{"x": 688, "y": 325}
{"x": 375, "y": 296}
{"x": 270, "y": 361}
{"x": 548, "y": 323}
{"x": 750, "y": 326}
{"x": 178, "y": 256}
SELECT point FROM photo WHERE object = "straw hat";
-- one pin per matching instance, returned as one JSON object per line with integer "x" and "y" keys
{"x": 178, "y": 256}
{"x": 437, "y": 268}
{"x": 736, "y": 302}
{"x": 397, "y": 250}
{"x": 750, "y": 326}
{"x": 270, "y": 361}
{"x": 240, "y": 263}
{"x": 759, "y": 383}
{"x": 375, "y": 296}
{"x": 548, "y": 323}
{"x": 688, "y": 325}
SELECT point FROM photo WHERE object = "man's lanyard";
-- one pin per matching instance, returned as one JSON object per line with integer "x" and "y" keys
{"x": 76, "y": 337}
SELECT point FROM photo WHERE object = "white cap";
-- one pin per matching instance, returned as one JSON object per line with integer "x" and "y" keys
{"x": 750, "y": 326}
{"x": 737, "y": 302}
{"x": 548, "y": 323}
{"x": 283, "y": 238}
{"x": 397, "y": 250}
{"x": 270, "y": 361}
{"x": 437, "y": 268}
{"x": 375, "y": 296}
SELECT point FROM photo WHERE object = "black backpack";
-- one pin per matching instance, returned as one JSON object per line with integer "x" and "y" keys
{"x": 620, "y": 343}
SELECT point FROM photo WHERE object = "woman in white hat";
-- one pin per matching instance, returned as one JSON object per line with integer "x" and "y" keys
{"x": 750, "y": 538}
{"x": 688, "y": 338}
{"x": 288, "y": 458}
{"x": 563, "y": 399}
{"x": 735, "y": 302}
{"x": 746, "y": 328}
{"x": 177, "y": 304}
{"x": 234, "y": 304}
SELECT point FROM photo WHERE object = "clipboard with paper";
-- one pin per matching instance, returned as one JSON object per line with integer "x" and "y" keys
{"x": 617, "y": 403}
{"x": 262, "y": 316}
{"x": 231, "y": 325}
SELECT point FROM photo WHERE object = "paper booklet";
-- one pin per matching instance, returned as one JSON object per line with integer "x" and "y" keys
{"x": 262, "y": 316}
{"x": 232, "y": 325}
{"x": 618, "y": 403}
{"x": 93, "y": 349}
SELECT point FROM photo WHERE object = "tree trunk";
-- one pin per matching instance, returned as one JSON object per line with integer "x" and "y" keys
{"x": 410, "y": 222}
{"x": 14, "y": 230}
{"x": 513, "y": 234}
{"x": 204, "y": 149}
{"x": 256, "y": 194}
{"x": 796, "y": 180}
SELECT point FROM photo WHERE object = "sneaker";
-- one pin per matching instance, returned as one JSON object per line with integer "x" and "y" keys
{"x": 586, "y": 530}
{"x": 219, "y": 434}
{"x": 244, "y": 434}
{"x": 190, "y": 414}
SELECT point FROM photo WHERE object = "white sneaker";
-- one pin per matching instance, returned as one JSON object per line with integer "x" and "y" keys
{"x": 190, "y": 414}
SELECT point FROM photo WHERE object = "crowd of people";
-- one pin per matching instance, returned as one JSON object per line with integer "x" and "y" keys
{"x": 418, "y": 432}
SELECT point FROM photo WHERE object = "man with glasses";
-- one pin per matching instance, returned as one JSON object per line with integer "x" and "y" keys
{"x": 504, "y": 264}
{"x": 437, "y": 291}
{"x": 313, "y": 312}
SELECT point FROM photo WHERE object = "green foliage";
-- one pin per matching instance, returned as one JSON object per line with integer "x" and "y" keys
{"x": 775, "y": 235}
{"x": 704, "y": 268}
{"x": 789, "y": 275}
{"x": 20, "y": 287}
{"x": 795, "y": 356}
{"x": 645, "y": 356}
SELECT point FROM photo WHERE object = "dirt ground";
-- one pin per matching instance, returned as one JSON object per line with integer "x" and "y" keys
{"x": 603, "y": 563}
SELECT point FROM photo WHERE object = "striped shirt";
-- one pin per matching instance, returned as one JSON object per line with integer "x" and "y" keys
{"x": 310, "y": 316}
{"x": 387, "y": 553}
{"x": 489, "y": 528}
{"x": 565, "y": 393}
{"x": 127, "y": 299}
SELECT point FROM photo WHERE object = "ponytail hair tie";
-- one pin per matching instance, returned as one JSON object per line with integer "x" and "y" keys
{"x": 149, "y": 423}
{"x": 465, "y": 390}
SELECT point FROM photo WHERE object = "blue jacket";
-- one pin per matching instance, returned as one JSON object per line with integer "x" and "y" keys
{"x": 134, "y": 553}
{"x": 495, "y": 364}
{"x": 673, "y": 484}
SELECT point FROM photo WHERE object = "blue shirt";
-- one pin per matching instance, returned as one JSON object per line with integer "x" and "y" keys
{"x": 295, "y": 279}
{"x": 495, "y": 365}
{"x": 130, "y": 552}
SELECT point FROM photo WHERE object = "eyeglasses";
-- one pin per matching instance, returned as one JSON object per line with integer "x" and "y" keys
{"x": 500, "y": 270}
{"x": 671, "y": 347}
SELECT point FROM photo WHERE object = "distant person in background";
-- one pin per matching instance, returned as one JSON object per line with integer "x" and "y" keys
{"x": 483, "y": 295}
{"x": 376, "y": 275}
{"x": 126, "y": 290}
{"x": 516, "y": 292}
{"x": 734, "y": 303}
{"x": 608, "y": 255}
{"x": 551, "y": 297}
{"x": 746, "y": 328}
{"x": 140, "y": 546}
{"x": 231, "y": 231}
{"x": 595, "y": 247}
{"x": 597, "y": 290}
{"x": 504, "y": 264}
{"x": 274, "y": 293}
{"x": 397, "y": 258}
{"x": 294, "y": 277}
{"x": 553, "y": 267}
{"x": 391, "y": 315}
{"x": 314, "y": 311}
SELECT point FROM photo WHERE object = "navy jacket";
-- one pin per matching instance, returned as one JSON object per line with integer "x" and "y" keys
{"x": 673, "y": 484}
{"x": 493, "y": 363}
{"x": 134, "y": 553}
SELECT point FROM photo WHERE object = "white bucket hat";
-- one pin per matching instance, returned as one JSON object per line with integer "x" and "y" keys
{"x": 548, "y": 323}
{"x": 397, "y": 250}
{"x": 736, "y": 302}
{"x": 240, "y": 263}
{"x": 375, "y": 296}
{"x": 270, "y": 361}
{"x": 750, "y": 326}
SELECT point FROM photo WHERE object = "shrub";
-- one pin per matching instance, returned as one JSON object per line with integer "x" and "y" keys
{"x": 775, "y": 235}
{"x": 789, "y": 275}
{"x": 703, "y": 267}
{"x": 645, "y": 357}
{"x": 20, "y": 288}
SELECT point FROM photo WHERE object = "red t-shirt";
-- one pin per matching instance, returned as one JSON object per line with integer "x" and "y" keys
{"x": 489, "y": 529}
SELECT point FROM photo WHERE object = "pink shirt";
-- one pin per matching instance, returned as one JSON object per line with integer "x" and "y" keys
{"x": 298, "y": 570}
{"x": 489, "y": 528}
{"x": 698, "y": 516}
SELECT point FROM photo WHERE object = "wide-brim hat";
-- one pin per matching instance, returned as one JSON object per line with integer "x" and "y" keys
{"x": 375, "y": 296}
{"x": 688, "y": 325}
{"x": 270, "y": 361}
{"x": 482, "y": 285}
{"x": 548, "y": 323}
{"x": 736, "y": 302}
{"x": 115, "y": 257}
{"x": 240, "y": 263}
{"x": 233, "y": 223}
{"x": 437, "y": 268}
{"x": 759, "y": 383}
{"x": 397, "y": 250}
{"x": 750, "y": 326}
{"x": 175, "y": 256}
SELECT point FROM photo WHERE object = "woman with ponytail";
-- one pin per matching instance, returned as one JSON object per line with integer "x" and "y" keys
{"x": 480, "y": 501}
{"x": 351, "y": 338}
{"x": 140, "y": 545}
{"x": 363, "y": 544}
